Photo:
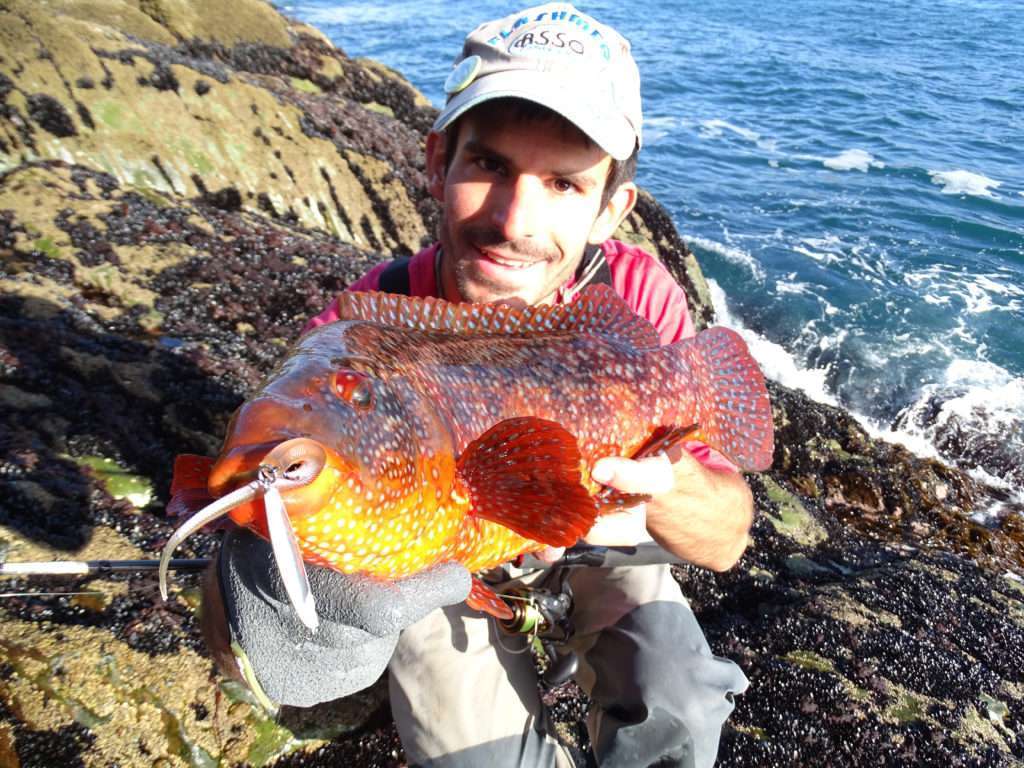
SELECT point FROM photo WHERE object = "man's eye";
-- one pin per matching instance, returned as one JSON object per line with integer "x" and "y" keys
{"x": 489, "y": 164}
{"x": 564, "y": 185}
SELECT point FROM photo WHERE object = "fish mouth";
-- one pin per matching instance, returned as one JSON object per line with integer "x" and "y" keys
{"x": 308, "y": 473}
{"x": 239, "y": 466}
{"x": 294, "y": 467}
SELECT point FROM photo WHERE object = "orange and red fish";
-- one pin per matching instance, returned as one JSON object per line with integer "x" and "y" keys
{"x": 415, "y": 431}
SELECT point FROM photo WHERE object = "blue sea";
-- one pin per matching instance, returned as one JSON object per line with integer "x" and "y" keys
{"x": 850, "y": 175}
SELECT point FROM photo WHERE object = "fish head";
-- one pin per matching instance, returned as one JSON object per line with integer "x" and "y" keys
{"x": 351, "y": 433}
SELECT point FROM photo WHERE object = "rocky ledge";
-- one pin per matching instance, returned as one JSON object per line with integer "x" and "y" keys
{"x": 180, "y": 186}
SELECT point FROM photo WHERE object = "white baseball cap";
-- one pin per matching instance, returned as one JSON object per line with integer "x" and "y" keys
{"x": 558, "y": 57}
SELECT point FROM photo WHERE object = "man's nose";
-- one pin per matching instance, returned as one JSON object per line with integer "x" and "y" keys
{"x": 518, "y": 212}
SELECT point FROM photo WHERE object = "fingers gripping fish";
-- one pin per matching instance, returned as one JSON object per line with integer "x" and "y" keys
{"x": 416, "y": 431}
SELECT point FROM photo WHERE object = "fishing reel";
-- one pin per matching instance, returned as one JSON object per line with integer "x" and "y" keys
{"x": 543, "y": 616}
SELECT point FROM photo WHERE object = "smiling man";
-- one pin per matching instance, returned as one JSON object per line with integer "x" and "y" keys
{"x": 532, "y": 159}
{"x": 522, "y": 199}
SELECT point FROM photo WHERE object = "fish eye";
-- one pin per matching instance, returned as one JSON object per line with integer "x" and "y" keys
{"x": 354, "y": 388}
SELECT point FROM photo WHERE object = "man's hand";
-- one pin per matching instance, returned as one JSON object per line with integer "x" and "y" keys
{"x": 701, "y": 515}
{"x": 255, "y": 635}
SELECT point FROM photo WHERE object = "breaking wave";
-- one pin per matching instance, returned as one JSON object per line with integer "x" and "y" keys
{"x": 964, "y": 183}
{"x": 731, "y": 254}
{"x": 972, "y": 418}
{"x": 853, "y": 160}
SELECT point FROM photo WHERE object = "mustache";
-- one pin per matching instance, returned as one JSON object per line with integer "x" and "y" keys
{"x": 487, "y": 237}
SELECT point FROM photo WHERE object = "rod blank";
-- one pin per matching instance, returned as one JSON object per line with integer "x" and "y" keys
{"x": 94, "y": 567}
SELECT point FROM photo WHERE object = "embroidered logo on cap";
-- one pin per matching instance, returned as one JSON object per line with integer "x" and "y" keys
{"x": 547, "y": 40}
{"x": 464, "y": 74}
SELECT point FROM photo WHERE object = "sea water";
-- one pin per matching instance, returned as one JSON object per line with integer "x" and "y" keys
{"x": 850, "y": 175}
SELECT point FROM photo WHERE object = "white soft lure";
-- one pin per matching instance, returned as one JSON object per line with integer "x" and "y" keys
{"x": 302, "y": 465}
{"x": 289, "y": 559}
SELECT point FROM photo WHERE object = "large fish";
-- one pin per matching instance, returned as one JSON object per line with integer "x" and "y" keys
{"x": 416, "y": 431}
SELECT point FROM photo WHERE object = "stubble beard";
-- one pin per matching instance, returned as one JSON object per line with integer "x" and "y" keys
{"x": 477, "y": 288}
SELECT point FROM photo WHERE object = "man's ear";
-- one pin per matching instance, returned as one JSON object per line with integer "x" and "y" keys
{"x": 615, "y": 210}
{"x": 436, "y": 162}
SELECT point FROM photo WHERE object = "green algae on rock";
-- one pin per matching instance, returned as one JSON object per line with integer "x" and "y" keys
{"x": 120, "y": 483}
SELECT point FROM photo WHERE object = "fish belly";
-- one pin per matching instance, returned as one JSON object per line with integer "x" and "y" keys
{"x": 483, "y": 544}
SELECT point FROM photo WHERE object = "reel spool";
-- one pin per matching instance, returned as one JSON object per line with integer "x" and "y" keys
{"x": 527, "y": 617}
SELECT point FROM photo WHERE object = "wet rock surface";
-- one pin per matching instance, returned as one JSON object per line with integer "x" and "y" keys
{"x": 177, "y": 195}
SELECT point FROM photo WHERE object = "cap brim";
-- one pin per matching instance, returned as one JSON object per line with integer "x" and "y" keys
{"x": 612, "y": 132}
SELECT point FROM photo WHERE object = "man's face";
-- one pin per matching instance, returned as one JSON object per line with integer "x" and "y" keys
{"x": 521, "y": 201}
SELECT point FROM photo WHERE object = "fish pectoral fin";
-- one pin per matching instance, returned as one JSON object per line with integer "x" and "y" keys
{"x": 524, "y": 474}
{"x": 663, "y": 438}
{"x": 483, "y": 598}
{"x": 190, "y": 472}
{"x": 189, "y": 493}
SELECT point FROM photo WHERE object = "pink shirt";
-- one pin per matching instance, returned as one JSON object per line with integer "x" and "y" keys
{"x": 638, "y": 277}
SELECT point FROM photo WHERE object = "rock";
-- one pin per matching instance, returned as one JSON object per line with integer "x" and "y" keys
{"x": 174, "y": 79}
{"x": 181, "y": 185}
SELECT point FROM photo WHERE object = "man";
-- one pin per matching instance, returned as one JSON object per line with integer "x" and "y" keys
{"x": 532, "y": 159}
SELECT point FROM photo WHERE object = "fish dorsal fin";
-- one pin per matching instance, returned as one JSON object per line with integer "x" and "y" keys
{"x": 597, "y": 309}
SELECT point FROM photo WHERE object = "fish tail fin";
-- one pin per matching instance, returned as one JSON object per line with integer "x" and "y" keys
{"x": 731, "y": 406}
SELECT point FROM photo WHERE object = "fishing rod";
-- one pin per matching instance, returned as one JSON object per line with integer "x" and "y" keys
{"x": 596, "y": 556}
{"x": 590, "y": 555}
{"x": 540, "y": 614}
{"x": 96, "y": 567}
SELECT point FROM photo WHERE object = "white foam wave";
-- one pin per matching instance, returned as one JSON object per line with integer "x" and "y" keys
{"x": 658, "y": 128}
{"x": 921, "y": 443}
{"x": 960, "y": 182}
{"x": 998, "y": 285}
{"x": 831, "y": 243}
{"x": 823, "y": 258}
{"x": 824, "y": 250}
{"x": 978, "y": 293}
{"x": 653, "y": 136}
{"x": 351, "y": 13}
{"x": 852, "y": 160}
{"x": 974, "y": 398}
{"x": 978, "y": 299}
{"x": 730, "y": 253}
{"x": 989, "y": 386}
{"x": 713, "y": 129}
{"x": 790, "y": 286}
{"x": 915, "y": 442}
{"x": 663, "y": 121}
{"x": 776, "y": 363}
